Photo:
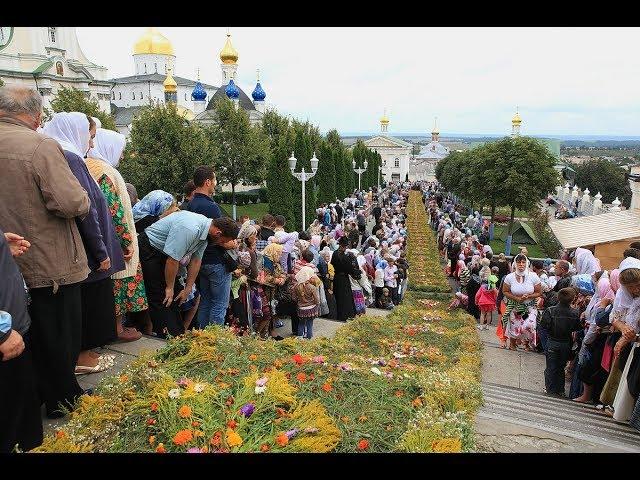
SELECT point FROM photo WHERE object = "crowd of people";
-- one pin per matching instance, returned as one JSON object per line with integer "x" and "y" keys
{"x": 85, "y": 263}
{"x": 584, "y": 319}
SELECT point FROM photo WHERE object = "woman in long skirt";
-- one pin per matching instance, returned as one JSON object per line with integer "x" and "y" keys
{"x": 343, "y": 265}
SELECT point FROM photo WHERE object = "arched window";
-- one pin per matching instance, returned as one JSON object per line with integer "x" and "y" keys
{"x": 145, "y": 68}
{"x": 119, "y": 95}
{"x": 133, "y": 95}
{"x": 141, "y": 96}
{"x": 113, "y": 95}
{"x": 185, "y": 96}
{"x": 397, "y": 163}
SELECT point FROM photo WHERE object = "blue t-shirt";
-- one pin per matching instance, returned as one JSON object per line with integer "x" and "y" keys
{"x": 180, "y": 234}
{"x": 204, "y": 205}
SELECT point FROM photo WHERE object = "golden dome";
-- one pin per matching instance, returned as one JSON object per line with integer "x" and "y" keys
{"x": 516, "y": 120}
{"x": 153, "y": 42}
{"x": 435, "y": 130}
{"x": 229, "y": 54}
{"x": 169, "y": 83}
{"x": 384, "y": 120}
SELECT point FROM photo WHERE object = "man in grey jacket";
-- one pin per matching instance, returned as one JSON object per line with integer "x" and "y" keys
{"x": 39, "y": 200}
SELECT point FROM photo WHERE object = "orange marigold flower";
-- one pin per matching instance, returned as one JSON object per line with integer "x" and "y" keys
{"x": 152, "y": 439}
{"x": 399, "y": 393}
{"x": 363, "y": 418}
{"x": 60, "y": 434}
{"x": 151, "y": 421}
{"x": 327, "y": 387}
{"x": 345, "y": 419}
{"x": 417, "y": 402}
{"x": 301, "y": 376}
{"x": 160, "y": 448}
{"x": 298, "y": 359}
{"x": 282, "y": 439}
{"x": 232, "y": 424}
{"x": 311, "y": 377}
{"x": 277, "y": 363}
{"x": 154, "y": 406}
{"x": 363, "y": 445}
{"x": 195, "y": 424}
{"x": 265, "y": 447}
{"x": 123, "y": 378}
{"x": 233, "y": 439}
{"x": 182, "y": 437}
{"x": 280, "y": 412}
{"x": 198, "y": 433}
{"x": 253, "y": 357}
{"x": 184, "y": 411}
{"x": 216, "y": 439}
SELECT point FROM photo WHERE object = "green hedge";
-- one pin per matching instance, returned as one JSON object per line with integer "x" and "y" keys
{"x": 243, "y": 198}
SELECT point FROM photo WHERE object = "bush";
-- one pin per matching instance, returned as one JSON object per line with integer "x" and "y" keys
{"x": 546, "y": 239}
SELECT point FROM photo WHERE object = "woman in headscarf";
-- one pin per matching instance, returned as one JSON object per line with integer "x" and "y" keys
{"x": 74, "y": 132}
{"x": 342, "y": 262}
{"x": 128, "y": 285}
{"x": 155, "y": 205}
{"x": 327, "y": 275}
{"x": 520, "y": 288}
{"x": 590, "y": 354}
{"x": 585, "y": 261}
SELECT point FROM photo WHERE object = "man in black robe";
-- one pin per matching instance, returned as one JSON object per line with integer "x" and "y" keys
{"x": 343, "y": 265}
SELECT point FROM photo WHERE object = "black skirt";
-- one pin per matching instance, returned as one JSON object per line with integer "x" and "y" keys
{"x": 98, "y": 314}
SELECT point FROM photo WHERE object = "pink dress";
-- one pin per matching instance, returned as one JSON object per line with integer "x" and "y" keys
{"x": 486, "y": 299}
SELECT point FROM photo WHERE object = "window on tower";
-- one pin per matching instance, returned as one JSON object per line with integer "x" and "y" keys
{"x": 133, "y": 95}
{"x": 145, "y": 68}
{"x": 141, "y": 96}
{"x": 156, "y": 67}
{"x": 119, "y": 95}
{"x": 397, "y": 163}
{"x": 113, "y": 95}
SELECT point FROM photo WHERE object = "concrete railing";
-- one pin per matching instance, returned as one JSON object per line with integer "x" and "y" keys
{"x": 587, "y": 204}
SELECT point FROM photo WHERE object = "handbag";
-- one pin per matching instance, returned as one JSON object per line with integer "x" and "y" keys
{"x": 324, "y": 305}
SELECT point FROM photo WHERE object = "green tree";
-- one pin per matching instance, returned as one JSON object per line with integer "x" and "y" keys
{"x": 337, "y": 152}
{"x": 164, "y": 149}
{"x": 326, "y": 176}
{"x": 243, "y": 150}
{"x": 1, "y": 83}
{"x": 598, "y": 174}
{"x": 69, "y": 99}
{"x": 529, "y": 173}
{"x": 279, "y": 178}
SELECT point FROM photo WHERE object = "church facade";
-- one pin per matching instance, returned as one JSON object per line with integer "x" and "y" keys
{"x": 48, "y": 58}
{"x": 423, "y": 165}
{"x": 395, "y": 153}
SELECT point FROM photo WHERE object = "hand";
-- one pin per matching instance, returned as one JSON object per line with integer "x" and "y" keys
{"x": 182, "y": 296}
{"x": 104, "y": 265}
{"x": 17, "y": 244}
{"x": 618, "y": 348}
{"x": 128, "y": 253}
{"x": 629, "y": 334}
{"x": 168, "y": 296}
{"x": 605, "y": 302}
{"x": 12, "y": 346}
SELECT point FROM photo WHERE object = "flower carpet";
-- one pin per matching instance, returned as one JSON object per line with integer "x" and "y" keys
{"x": 408, "y": 382}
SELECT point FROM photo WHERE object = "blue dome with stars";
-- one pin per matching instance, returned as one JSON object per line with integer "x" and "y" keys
{"x": 258, "y": 93}
{"x": 232, "y": 91}
{"x": 199, "y": 94}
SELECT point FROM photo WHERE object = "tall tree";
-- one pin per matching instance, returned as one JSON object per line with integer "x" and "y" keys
{"x": 243, "y": 149}
{"x": 337, "y": 151}
{"x": 530, "y": 175}
{"x": 69, "y": 99}
{"x": 326, "y": 176}
{"x": 279, "y": 178}
{"x": 164, "y": 149}
{"x": 601, "y": 175}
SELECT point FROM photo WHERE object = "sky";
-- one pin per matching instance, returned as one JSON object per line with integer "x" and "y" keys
{"x": 564, "y": 81}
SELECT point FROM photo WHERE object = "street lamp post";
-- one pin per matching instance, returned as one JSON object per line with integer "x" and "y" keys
{"x": 379, "y": 175}
{"x": 303, "y": 177}
{"x": 359, "y": 171}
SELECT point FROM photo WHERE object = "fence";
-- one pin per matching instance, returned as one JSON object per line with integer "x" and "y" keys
{"x": 587, "y": 205}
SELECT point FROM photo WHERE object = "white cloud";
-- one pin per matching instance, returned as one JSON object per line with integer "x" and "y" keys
{"x": 565, "y": 80}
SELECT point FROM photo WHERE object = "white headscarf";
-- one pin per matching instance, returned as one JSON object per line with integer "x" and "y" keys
{"x": 70, "y": 130}
{"x": 514, "y": 267}
{"x": 304, "y": 274}
{"x": 98, "y": 122}
{"x": 108, "y": 146}
{"x": 624, "y": 301}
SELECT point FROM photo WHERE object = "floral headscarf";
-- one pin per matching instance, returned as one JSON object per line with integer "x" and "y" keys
{"x": 273, "y": 252}
{"x": 154, "y": 203}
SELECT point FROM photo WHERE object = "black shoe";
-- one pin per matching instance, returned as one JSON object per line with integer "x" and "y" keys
{"x": 278, "y": 338}
{"x": 88, "y": 391}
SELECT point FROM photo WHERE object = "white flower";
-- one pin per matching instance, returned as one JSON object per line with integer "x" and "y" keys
{"x": 198, "y": 387}
{"x": 376, "y": 371}
{"x": 174, "y": 393}
{"x": 260, "y": 390}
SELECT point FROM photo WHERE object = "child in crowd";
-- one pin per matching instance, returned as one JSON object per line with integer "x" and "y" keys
{"x": 391, "y": 279}
{"x": 287, "y": 239}
{"x": 485, "y": 271}
{"x": 486, "y": 301}
{"x": 378, "y": 282}
{"x": 306, "y": 295}
{"x": 385, "y": 300}
{"x": 560, "y": 321}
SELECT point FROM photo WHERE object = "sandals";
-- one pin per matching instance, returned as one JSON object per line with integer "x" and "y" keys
{"x": 104, "y": 362}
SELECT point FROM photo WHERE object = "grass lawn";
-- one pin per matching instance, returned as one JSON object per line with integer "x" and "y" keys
{"x": 497, "y": 245}
{"x": 254, "y": 210}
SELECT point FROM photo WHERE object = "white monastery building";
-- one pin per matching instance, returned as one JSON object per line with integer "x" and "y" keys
{"x": 395, "y": 152}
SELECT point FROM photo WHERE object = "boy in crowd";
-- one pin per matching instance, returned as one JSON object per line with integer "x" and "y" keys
{"x": 560, "y": 321}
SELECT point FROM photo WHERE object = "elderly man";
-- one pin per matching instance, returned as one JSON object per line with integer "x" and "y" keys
{"x": 181, "y": 236}
{"x": 40, "y": 199}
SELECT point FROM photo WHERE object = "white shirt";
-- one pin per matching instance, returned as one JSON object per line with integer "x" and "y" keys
{"x": 527, "y": 286}
{"x": 379, "y": 278}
